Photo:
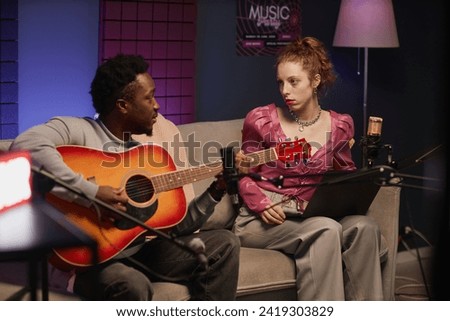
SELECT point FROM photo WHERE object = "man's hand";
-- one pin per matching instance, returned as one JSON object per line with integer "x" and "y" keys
{"x": 115, "y": 197}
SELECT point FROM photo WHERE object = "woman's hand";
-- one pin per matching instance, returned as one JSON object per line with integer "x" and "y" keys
{"x": 273, "y": 215}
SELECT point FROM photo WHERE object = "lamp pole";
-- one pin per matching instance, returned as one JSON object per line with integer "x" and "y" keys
{"x": 366, "y": 69}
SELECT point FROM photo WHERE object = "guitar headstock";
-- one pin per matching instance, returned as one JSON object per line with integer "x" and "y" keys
{"x": 289, "y": 151}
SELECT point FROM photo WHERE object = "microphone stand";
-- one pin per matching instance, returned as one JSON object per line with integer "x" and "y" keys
{"x": 198, "y": 251}
{"x": 401, "y": 176}
{"x": 349, "y": 175}
{"x": 230, "y": 175}
{"x": 388, "y": 176}
{"x": 371, "y": 146}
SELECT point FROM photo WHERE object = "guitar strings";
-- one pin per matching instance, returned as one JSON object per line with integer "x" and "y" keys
{"x": 142, "y": 186}
{"x": 262, "y": 156}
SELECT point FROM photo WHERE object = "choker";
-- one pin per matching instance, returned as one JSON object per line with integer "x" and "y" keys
{"x": 303, "y": 124}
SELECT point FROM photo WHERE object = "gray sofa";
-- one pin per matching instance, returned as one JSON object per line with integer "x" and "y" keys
{"x": 257, "y": 277}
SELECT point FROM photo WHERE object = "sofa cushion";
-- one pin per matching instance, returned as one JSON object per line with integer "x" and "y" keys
{"x": 257, "y": 278}
{"x": 265, "y": 272}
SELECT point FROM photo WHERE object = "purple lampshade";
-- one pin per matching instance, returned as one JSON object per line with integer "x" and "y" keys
{"x": 366, "y": 24}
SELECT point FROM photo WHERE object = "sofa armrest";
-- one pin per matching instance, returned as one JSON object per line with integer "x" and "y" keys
{"x": 385, "y": 209}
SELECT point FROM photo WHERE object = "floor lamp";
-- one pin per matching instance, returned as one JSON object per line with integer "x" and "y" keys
{"x": 366, "y": 24}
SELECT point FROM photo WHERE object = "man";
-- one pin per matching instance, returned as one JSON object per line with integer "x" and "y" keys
{"x": 123, "y": 94}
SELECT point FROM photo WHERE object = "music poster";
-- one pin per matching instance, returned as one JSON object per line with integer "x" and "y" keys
{"x": 263, "y": 26}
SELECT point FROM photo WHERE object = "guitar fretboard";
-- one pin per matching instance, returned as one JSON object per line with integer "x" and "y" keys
{"x": 172, "y": 180}
{"x": 263, "y": 156}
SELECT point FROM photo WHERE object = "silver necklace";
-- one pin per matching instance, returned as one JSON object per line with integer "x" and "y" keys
{"x": 303, "y": 124}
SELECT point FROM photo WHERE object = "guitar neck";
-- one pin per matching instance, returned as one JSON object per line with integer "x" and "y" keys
{"x": 263, "y": 156}
{"x": 171, "y": 180}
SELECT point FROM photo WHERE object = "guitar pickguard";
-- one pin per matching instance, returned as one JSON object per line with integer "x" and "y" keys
{"x": 142, "y": 214}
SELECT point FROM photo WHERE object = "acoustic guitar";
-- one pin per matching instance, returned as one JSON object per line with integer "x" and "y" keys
{"x": 153, "y": 185}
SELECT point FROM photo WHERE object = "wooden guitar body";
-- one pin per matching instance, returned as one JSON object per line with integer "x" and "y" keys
{"x": 135, "y": 170}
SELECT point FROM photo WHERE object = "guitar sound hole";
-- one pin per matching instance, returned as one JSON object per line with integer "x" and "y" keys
{"x": 139, "y": 188}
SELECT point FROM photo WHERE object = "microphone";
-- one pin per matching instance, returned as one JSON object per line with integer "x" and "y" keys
{"x": 198, "y": 247}
{"x": 230, "y": 174}
{"x": 372, "y": 142}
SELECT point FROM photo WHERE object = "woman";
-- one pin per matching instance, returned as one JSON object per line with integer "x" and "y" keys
{"x": 335, "y": 260}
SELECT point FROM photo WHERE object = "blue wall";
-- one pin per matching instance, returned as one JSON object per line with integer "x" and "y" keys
{"x": 228, "y": 86}
{"x": 58, "y": 53}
